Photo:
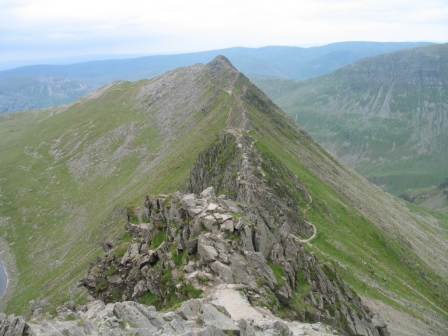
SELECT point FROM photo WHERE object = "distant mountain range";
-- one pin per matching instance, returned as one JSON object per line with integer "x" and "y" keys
{"x": 386, "y": 115}
{"x": 269, "y": 62}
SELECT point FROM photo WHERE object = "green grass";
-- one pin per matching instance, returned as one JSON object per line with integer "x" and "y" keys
{"x": 278, "y": 272}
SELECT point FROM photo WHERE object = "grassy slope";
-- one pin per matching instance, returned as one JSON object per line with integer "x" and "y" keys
{"x": 385, "y": 116}
{"x": 63, "y": 173}
{"x": 362, "y": 229}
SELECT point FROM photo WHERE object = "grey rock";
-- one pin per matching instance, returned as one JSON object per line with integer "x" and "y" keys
{"x": 257, "y": 262}
{"x": 246, "y": 328}
{"x": 191, "y": 246}
{"x": 208, "y": 192}
{"x": 208, "y": 314}
{"x": 206, "y": 252}
{"x": 11, "y": 325}
{"x": 48, "y": 329}
{"x": 210, "y": 331}
{"x": 153, "y": 280}
{"x": 209, "y": 222}
{"x": 139, "y": 289}
{"x": 228, "y": 225}
{"x": 246, "y": 237}
{"x": 131, "y": 253}
{"x": 224, "y": 272}
{"x": 194, "y": 211}
{"x": 263, "y": 239}
{"x": 138, "y": 315}
{"x": 189, "y": 201}
{"x": 282, "y": 328}
{"x": 284, "y": 293}
{"x": 115, "y": 279}
{"x": 238, "y": 264}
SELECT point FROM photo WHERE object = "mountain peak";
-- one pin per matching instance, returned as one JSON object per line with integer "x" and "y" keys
{"x": 221, "y": 61}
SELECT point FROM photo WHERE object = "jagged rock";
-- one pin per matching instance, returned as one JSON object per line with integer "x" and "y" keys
{"x": 153, "y": 281}
{"x": 208, "y": 192}
{"x": 284, "y": 293}
{"x": 257, "y": 262}
{"x": 222, "y": 217}
{"x": 206, "y": 252}
{"x": 163, "y": 248}
{"x": 224, "y": 272}
{"x": 228, "y": 225}
{"x": 263, "y": 238}
{"x": 189, "y": 201}
{"x": 146, "y": 321}
{"x": 236, "y": 254}
{"x": 139, "y": 289}
{"x": 150, "y": 258}
{"x": 131, "y": 253}
{"x": 175, "y": 324}
{"x": 48, "y": 329}
{"x": 211, "y": 331}
{"x": 11, "y": 325}
{"x": 246, "y": 237}
{"x": 192, "y": 246}
{"x": 212, "y": 207}
{"x": 282, "y": 328}
{"x": 210, "y": 316}
{"x": 210, "y": 222}
{"x": 246, "y": 328}
{"x": 277, "y": 253}
{"x": 115, "y": 279}
{"x": 238, "y": 264}
{"x": 194, "y": 211}
{"x": 239, "y": 225}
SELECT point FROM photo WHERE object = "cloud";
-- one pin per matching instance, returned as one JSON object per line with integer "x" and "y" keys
{"x": 99, "y": 26}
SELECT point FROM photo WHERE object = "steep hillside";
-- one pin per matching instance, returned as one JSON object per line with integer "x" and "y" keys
{"x": 28, "y": 87}
{"x": 72, "y": 177}
{"x": 387, "y": 116}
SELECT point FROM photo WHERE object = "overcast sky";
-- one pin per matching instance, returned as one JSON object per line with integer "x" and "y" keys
{"x": 44, "y": 29}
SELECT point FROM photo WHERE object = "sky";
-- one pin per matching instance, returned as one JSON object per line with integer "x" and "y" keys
{"x": 47, "y": 29}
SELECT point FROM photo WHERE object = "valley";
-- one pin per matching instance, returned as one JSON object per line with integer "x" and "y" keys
{"x": 386, "y": 115}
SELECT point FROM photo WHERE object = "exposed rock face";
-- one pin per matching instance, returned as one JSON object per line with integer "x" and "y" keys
{"x": 182, "y": 252}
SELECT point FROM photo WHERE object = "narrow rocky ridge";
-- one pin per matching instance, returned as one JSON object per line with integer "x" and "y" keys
{"x": 242, "y": 235}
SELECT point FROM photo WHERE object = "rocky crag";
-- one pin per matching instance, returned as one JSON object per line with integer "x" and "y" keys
{"x": 193, "y": 317}
{"x": 187, "y": 245}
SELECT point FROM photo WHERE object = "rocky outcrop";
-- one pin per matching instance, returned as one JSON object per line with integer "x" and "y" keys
{"x": 193, "y": 317}
{"x": 191, "y": 244}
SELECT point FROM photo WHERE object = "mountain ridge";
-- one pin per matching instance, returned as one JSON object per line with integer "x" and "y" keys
{"x": 97, "y": 157}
